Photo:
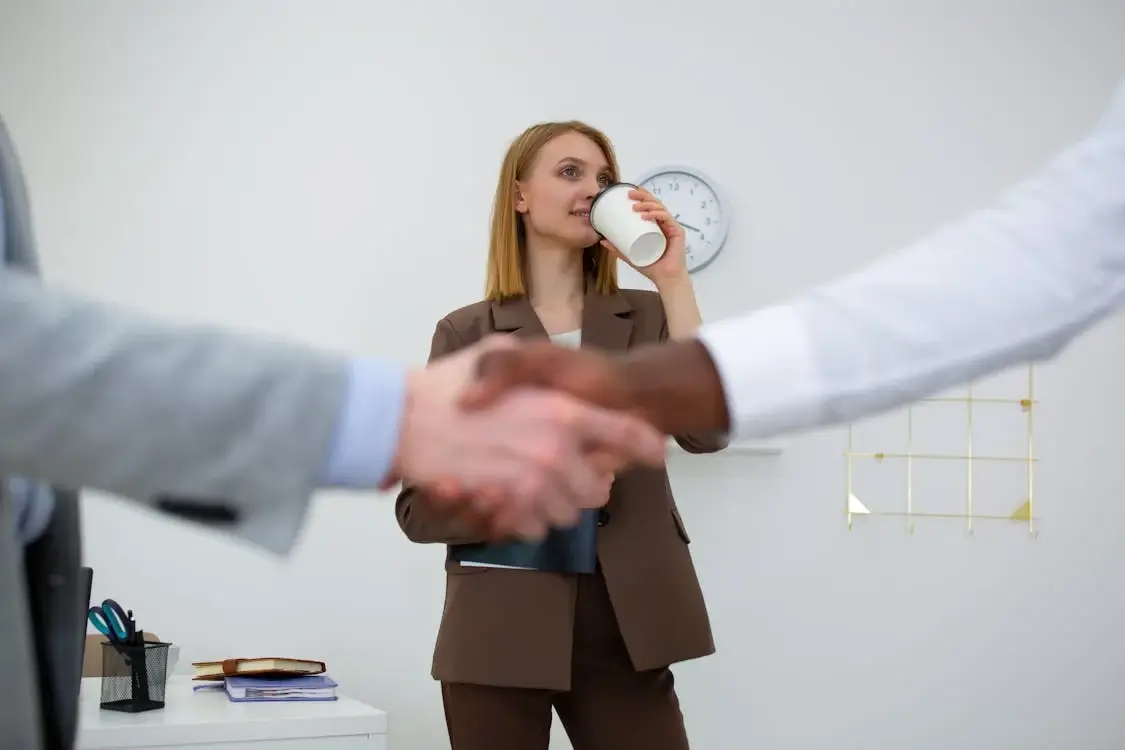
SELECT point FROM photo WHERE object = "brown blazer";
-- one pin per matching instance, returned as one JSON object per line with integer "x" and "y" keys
{"x": 513, "y": 628}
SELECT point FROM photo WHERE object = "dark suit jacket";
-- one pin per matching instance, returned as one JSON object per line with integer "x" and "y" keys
{"x": 514, "y": 627}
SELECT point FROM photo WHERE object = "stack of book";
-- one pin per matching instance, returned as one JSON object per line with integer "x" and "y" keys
{"x": 319, "y": 687}
{"x": 267, "y": 679}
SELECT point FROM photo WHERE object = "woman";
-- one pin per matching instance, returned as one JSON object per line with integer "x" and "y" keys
{"x": 596, "y": 647}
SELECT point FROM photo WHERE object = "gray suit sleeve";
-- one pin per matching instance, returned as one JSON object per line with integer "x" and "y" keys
{"x": 100, "y": 397}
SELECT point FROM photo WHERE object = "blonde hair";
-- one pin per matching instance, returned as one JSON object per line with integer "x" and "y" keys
{"x": 507, "y": 238}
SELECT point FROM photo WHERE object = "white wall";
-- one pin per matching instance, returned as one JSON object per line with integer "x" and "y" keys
{"x": 181, "y": 153}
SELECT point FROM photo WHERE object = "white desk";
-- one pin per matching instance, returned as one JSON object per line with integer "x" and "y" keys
{"x": 208, "y": 721}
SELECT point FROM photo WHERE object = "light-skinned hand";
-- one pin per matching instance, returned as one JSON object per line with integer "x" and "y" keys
{"x": 531, "y": 459}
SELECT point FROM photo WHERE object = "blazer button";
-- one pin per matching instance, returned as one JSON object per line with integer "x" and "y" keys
{"x": 603, "y": 517}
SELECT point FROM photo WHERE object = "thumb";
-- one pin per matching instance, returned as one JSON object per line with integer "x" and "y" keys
{"x": 498, "y": 371}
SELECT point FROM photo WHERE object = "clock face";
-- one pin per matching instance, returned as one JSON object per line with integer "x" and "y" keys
{"x": 695, "y": 204}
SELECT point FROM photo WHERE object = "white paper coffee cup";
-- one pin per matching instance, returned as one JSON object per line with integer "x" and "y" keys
{"x": 612, "y": 216}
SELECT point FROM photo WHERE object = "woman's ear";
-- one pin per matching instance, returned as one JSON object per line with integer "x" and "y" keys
{"x": 520, "y": 203}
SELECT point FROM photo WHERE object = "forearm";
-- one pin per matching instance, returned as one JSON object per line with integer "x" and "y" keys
{"x": 97, "y": 396}
{"x": 681, "y": 309}
{"x": 1008, "y": 285}
{"x": 682, "y": 321}
{"x": 677, "y": 387}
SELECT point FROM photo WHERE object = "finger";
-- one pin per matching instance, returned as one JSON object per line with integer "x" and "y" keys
{"x": 605, "y": 462}
{"x": 489, "y": 511}
{"x": 629, "y": 437}
{"x": 555, "y": 479}
{"x": 564, "y": 486}
{"x": 520, "y": 518}
{"x": 564, "y": 515}
{"x": 644, "y": 206}
{"x": 478, "y": 515}
{"x": 580, "y": 483}
{"x": 498, "y": 372}
{"x": 641, "y": 194}
{"x": 531, "y": 530}
{"x": 447, "y": 497}
{"x": 449, "y": 489}
{"x": 669, "y": 226}
{"x": 660, "y": 216}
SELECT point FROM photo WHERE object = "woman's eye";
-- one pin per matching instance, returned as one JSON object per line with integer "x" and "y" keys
{"x": 604, "y": 180}
{"x": 569, "y": 172}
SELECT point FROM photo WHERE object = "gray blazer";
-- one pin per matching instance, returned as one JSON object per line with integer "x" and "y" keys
{"x": 206, "y": 424}
{"x": 95, "y": 396}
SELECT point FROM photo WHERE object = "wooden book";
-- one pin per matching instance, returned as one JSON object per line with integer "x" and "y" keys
{"x": 263, "y": 666}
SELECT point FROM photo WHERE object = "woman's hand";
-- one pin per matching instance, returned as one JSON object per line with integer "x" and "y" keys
{"x": 672, "y": 266}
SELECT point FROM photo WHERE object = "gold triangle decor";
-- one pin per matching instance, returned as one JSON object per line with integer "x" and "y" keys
{"x": 1023, "y": 513}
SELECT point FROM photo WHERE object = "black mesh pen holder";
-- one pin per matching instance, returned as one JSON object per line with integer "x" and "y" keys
{"x": 134, "y": 676}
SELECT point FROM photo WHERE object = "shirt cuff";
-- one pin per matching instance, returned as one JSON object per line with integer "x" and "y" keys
{"x": 767, "y": 368}
{"x": 34, "y": 504}
{"x": 366, "y": 440}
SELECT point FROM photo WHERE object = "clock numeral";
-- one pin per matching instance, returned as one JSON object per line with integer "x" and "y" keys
{"x": 703, "y": 204}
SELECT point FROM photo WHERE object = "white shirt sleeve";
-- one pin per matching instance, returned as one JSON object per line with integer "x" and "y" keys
{"x": 1011, "y": 284}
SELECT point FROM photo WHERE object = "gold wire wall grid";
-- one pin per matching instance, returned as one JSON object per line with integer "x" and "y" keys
{"x": 911, "y": 460}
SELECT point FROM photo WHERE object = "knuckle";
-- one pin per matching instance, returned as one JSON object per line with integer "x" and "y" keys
{"x": 554, "y": 453}
{"x": 546, "y": 453}
{"x": 533, "y": 485}
{"x": 560, "y": 410}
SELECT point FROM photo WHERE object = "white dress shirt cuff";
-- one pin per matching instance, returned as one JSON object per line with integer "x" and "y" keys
{"x": 366, "y": 440}
{"x": 767, "y": 367}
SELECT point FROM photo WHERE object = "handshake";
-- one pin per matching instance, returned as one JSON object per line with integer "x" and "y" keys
{"x": 516, "y": 437}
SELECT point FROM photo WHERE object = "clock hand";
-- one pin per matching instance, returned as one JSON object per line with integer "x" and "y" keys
{"x": 685, "y": 226}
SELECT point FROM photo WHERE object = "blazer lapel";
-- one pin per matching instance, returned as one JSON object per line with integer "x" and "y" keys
{"x": 517, "y": 317}
{"x": 607, "y": 321}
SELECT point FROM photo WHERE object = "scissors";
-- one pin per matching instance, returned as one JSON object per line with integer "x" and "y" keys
{"x": 112, "y": 621}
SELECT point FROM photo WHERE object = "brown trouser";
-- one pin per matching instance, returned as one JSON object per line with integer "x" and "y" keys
{"x": 610, "y": 706}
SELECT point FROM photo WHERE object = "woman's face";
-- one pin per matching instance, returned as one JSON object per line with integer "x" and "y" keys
{"x": 554, "y": 197}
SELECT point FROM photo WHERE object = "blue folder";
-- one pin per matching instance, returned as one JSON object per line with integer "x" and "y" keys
{"x": 571, "y": 550}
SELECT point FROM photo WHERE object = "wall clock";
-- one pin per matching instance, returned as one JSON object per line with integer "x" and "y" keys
{"x": 698, "y": 204}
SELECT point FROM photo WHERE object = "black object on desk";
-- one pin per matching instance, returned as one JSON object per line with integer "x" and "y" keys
{"x": 134, "y": 671}
{"x": 134, "y": 675}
